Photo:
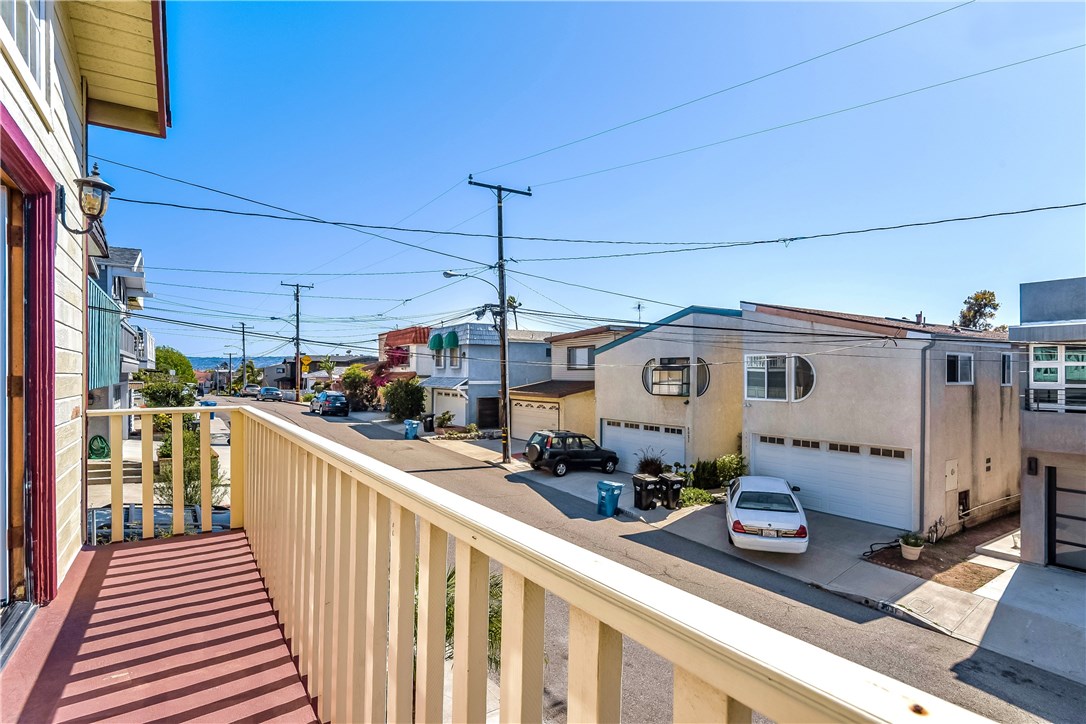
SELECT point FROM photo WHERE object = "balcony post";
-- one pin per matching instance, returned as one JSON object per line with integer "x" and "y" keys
{"x": 694, "y": 700}
{"x": 377, "y": 585}
{"x": 147, "y": 470}
{"x": 595, "y": 669}
{"x": 522, "y": 649}
{"x": 471, "y": 609}
{"x": 177, "y": 464}
{"x": 116, "y": 479}
{"x": 430, "y": 667}
{"x": 205, "y": 471}
{"x": 401, "y": 618}
{"x": 238, "y": 451}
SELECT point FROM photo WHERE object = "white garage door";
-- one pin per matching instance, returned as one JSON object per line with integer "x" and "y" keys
{"x": 529, "y": 416}
{"x": 451, "y": 401}
{"x": 628, "y": 439}
{"x": 853, "y": 481}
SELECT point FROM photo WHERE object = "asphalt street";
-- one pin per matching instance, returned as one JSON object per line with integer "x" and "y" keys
{"x": 984, "y": 682}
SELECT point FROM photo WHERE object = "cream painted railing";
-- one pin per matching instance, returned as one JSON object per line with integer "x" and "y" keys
{"x": 340, "y": 538}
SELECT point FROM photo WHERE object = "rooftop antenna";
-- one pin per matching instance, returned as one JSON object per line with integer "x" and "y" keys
{"x": 639, "y": 306}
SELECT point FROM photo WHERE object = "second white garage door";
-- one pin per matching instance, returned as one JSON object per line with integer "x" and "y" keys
{"x": 451, "y": 401}
{"x": 628, "y": 439}
{"x": 865, "y": 485}
{"x": 529, "y": 416}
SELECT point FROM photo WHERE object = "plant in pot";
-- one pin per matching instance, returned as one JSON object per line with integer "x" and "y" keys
{"x": 911, "y": 545}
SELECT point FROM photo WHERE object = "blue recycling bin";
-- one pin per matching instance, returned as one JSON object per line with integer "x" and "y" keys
{"x": 209, "y": 403}
{"x": 411, "y": 429}
{"x": 607, "y": 497}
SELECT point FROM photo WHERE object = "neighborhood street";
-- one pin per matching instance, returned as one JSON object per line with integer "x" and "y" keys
{"x": 985, "y": 682}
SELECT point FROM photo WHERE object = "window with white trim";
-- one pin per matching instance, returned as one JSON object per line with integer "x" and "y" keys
{"x": 580, "y": 358}
{"x": 439, "y": 358}
{"x": 1006, "y": 378}
{"x": 454, "y": 357}
{"x": 26, "y": 23}
{"x": 669, "y": 378}
{"x": 768, "y": 376}
{"x": 959, "y": 368}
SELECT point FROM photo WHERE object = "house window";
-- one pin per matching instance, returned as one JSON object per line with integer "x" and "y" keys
{"x": 803, "y": 378}
{"x": 703, "y": 376}
{"x": 439, "y": 358}
{"x": 580, "y": 358}
{"x": 1074, "y": 353}
{"x": 770, "y": 440}
{"x": 767, "y": 377}
{"x": 670, "y": 378}
{"x": 1005, "y": 378}
{"x": 1046, "y": 354}
{"x": 843, "y": 447}
{"x": 886, "y": 452}
{"x": 1046, "y": 374}
{"x": 454, "y": 357}
{"x": 809, "y": 444}
{"x": 280, "y": 370}
{"x": 25, "y": 22}
{"x": 959, "y": 369}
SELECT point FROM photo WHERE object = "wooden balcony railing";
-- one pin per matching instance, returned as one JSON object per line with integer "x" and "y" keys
{"x": 352, "y": 551}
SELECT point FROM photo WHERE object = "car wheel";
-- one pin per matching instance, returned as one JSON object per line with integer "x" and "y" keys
{"x": 560, "y": 468}
{"x": 534, "y": 466}
{"x": 609, "y": 466}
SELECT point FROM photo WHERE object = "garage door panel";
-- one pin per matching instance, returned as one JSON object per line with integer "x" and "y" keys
{"x": 852, "y": 485}
{"x": 628, "y": 442}
{"x": 531, "y": 416}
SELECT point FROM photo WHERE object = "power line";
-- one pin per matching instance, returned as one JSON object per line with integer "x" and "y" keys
{"x": 248, "y": 272}
{"x": 715, "y": 93}
{"x": 277, "y": 294}
{"x": 806, "y": 120}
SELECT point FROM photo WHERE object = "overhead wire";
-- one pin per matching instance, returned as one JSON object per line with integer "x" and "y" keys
{"x": 722, "y": 91}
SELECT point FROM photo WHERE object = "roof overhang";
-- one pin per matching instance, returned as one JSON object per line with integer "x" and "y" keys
{"x": 121, "y": 51}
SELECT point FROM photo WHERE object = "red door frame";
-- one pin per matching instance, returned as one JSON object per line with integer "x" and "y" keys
{"x": 23, "y": 164}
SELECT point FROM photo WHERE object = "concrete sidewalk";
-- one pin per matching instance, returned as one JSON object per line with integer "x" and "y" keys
{"x": 1028, "y": 613}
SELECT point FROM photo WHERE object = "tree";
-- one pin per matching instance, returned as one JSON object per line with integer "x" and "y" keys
{"x": 360, "y": 388}
{"x": 327, "y": 366}
{"x": 979, "y": 309}
{"x": 250, "y": 375}
{"x": 514, "y": 305}
{"x": 405, "y": 398}
{"x": 166, "y": 359}
{"x": 161, "y": 392}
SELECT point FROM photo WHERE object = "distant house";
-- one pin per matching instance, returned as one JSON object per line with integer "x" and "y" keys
{"x": 566, "y": 401}
{"x": 404, "y": 353}
{"x": 1052, "y": 335}
{"x": 466, "y": 379}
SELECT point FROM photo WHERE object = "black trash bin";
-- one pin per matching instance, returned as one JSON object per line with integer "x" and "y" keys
{"x": 671, "y": 486}
{"x": 645, "y": 491}
{"x": 428, "y": 423}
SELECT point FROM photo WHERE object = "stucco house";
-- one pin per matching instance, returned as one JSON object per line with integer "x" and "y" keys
{"x": 1052, "y": 335}
{"x": 673, "y": 387}
{"x": 466, "y": 379}
{"x": 61, "y": 70}
{"x": 894, "y": 421}
{"x": 567, "y": 401}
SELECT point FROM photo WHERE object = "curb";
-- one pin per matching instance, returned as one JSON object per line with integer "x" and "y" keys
{"x": 889, "y": 608}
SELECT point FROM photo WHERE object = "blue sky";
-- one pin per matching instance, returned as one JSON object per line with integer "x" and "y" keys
{"x": 365, "y": 112}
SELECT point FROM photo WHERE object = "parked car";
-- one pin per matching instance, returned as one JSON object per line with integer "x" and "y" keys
{"x": 330, "y": 403}
{"x": 763, "y": 514}
{"x": 560, "y": 450}
{"x": 250, "y": 391}
{"x": 269, "y": 393}
{"x": 100, "y": 520}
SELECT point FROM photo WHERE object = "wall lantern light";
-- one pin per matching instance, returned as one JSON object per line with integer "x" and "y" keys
{"x": 93, "y": 199}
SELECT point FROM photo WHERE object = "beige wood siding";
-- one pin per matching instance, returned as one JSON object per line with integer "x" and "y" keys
{"x": 559, "y": 367}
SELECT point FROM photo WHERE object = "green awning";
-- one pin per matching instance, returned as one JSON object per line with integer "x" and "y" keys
{"x": 436, "y": 342}
{"x": 451, "y": 340}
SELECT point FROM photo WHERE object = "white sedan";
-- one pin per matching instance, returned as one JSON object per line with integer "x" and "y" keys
{"x": 764, "y": 515}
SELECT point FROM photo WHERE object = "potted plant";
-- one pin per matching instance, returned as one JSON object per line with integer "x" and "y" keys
{"x": 911, "y": 545}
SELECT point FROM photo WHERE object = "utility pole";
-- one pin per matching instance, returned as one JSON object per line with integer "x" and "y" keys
{"x": 297, "y": 336}
{"x": 244, "y": 367}
{"x": 503, "y": 302}
{"x": 229, "y": 372}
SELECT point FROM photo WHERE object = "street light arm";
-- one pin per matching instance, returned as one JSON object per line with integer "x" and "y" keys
{"x": 454, "y": 275}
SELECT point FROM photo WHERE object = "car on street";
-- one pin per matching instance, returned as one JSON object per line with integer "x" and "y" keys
{"x": 250, "y": 391}
{"x": 764, "y": 514}
{"x": 330, "y": 403}
{"x": 269, "y": 393}
{"x": 560, "y": 450}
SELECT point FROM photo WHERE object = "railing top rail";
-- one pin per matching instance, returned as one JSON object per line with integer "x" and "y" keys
{"x": 161, "y": 410}
{"x": 781, "y": 676}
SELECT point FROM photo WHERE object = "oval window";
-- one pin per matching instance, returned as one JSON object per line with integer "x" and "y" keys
{"x": 646, "y": 375}
{"x": 803, "y": 378}
{"x": 703, "y": 376}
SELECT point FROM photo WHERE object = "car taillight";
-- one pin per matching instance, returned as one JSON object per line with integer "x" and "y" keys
{"x": 548, "y": 443}
{"x": 737, "y": 527}
{"x": 801, "y": 532}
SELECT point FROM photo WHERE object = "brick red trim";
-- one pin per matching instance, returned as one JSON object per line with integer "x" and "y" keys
{"x": 29, "y": 172}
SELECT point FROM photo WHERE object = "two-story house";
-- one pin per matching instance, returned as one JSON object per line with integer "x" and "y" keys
{"x": 672, "y": 388}
{"x": 466, "y": 379}
{"x": 894, "y": 421}
{"x": 404, "y": 353}
{"x": 567, "y": 401}
{"x": 115, "y": 348}
{"x": 1052, "y": 334}
{"x": 63, "y": 66}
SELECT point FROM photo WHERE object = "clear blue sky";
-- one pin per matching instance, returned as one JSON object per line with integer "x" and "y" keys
{"x": 365, "y": 112}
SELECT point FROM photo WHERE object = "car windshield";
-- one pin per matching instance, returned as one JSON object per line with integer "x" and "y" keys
{"x": 268, "y": 389}
{"x": 757, "y": 500}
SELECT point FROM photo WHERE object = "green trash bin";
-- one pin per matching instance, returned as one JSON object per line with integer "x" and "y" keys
{"x": 607, "y": 497}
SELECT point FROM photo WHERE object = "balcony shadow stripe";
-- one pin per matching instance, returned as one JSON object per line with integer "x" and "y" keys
{"x": 241, "y": 556}
{"x": 186, "y": 618}
{"x": 171, "y": 636}
{"x": 157, "y": 589}
{"x": 250, "y": 585}
{"x": 180, "y": 576}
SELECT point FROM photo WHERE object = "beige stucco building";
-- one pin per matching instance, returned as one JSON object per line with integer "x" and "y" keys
{"x": 894, "y": 421}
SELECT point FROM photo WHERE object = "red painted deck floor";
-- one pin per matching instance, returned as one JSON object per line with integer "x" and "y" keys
{"x": 169, "y": 630}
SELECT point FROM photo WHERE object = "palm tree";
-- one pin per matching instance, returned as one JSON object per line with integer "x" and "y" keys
{"x": 513, "y": 304}
{"x": 327, "y": 365}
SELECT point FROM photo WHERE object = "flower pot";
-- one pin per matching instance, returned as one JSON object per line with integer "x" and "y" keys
{"x": 911, "y": 553}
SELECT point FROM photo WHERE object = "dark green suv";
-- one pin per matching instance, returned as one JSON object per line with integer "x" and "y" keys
{"x": 560, "y": 450}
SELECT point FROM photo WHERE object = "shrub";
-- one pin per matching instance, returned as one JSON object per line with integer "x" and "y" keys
{"x": 318, "y": 387}
{"x": 911, "y": 539}
{"x": 163, "y": 485}
{"x": 444, "y": 419}
{"x": 694, "y": 496}
{"x": 649, "y": 462}
{"x": 405, "y": 398}
{"x": 307, "y": 396}
{"x": 472, "y": 429}
{"x": 168, "y": 394}
{"x": 730, "y": 467}
{"x": 705, "y": 475}
{"x": 359, "y": 386}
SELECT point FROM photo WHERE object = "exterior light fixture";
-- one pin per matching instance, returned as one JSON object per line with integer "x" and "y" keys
{"x": 93, "y": 200}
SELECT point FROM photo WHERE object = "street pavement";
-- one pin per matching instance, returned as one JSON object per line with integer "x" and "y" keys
{"x": 985, "y": 682}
